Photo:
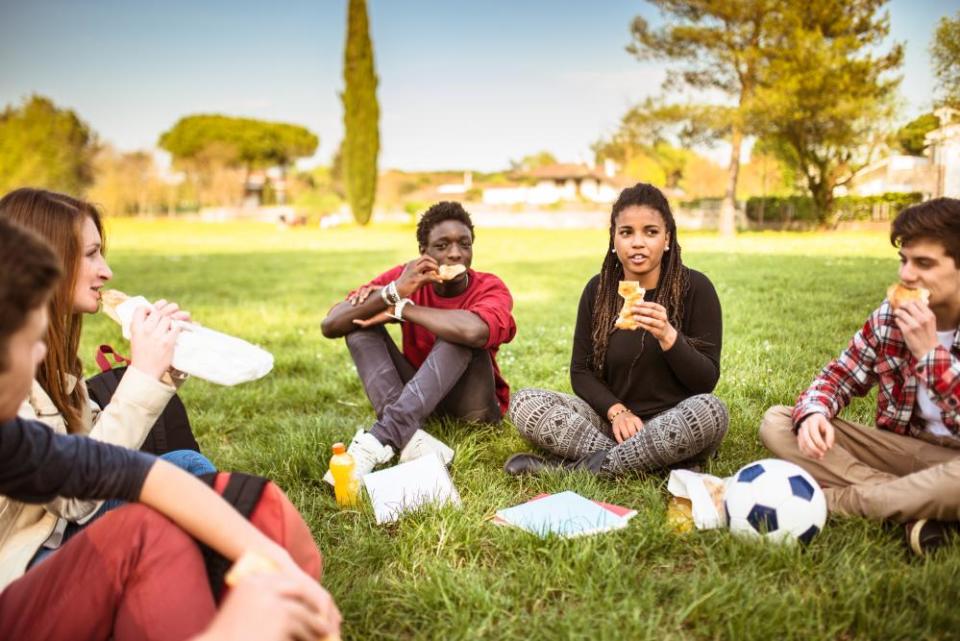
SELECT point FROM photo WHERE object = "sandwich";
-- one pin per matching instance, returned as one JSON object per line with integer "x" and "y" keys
{"x": 632, "y": 295}
{"x": 110, "y": 299}
{"x": 449, "y": 272}
{"x": 899, "y": 295}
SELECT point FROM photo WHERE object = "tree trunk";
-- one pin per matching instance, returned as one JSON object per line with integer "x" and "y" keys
{"x": 728, "y": 208}
{"x": 822, "y": 193}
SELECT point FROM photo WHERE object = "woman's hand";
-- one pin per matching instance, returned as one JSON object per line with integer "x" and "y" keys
{"x": 653, "y": 318}
{"x": 153, "y": 335}
{"x": 416, "y": 274}
{"x": 624, "y": 422}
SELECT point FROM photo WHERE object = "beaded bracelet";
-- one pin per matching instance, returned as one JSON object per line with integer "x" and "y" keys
{"x": 625, "y": 410}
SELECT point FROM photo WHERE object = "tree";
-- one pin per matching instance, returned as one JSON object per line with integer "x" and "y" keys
{"x": 945, "y": 52}
{"x": 217, "y": 150}
{"x": 361, "y": 114}
{"x": 718, "y": 45}
{"x": 911, "y": 137}
{"x": 44, "y": 146}
{"x": 533, "y": 161}
{"x": 824, "y": 89}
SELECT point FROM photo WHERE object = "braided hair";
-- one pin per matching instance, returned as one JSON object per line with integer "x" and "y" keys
{"x": 672, "y": 285}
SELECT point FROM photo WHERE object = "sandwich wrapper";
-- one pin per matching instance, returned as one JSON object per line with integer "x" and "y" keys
{"x": 705, "y": 493}
{"x": 205, "y": 353}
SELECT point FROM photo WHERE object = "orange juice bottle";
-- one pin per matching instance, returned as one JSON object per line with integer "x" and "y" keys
{"x": 346, "y": 488}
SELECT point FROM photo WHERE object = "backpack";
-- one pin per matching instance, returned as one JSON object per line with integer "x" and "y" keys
{"x": 171, "y": 431}
{"x": 266, "y": 506}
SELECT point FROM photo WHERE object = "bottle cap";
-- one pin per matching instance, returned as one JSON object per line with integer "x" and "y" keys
{"x": 339, "y": 448}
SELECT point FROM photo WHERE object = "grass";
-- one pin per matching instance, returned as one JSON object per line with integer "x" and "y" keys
{"x": 790, "y": 302}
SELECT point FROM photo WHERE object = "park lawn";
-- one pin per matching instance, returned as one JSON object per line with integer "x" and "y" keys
{"x": 790, "y": 301}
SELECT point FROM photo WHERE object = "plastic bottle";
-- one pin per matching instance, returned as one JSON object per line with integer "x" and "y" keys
{"x": 680, "y": 515}
{"x": 346, "y": 488}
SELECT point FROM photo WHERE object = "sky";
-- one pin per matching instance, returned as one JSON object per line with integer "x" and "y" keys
{"x": 462, "y": 84}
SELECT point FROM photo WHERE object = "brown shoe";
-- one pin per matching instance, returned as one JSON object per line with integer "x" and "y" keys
{"x": 926, "y": 535}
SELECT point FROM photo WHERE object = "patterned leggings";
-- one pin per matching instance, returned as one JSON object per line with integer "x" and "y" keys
{"x": 567, "y": 426}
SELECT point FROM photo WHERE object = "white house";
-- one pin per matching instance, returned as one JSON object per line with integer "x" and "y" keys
{"x": 557, "y": 183}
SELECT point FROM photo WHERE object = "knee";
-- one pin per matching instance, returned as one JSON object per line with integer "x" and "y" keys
{"x": 521, "y": 402}
{"x": 455, "y": 350}
{"x": 150, "y": 529}
{"x": 776, "y": 428}
{"x": 190, "y": 461}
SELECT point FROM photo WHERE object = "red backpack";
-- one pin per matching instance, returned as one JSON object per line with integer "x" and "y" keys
{"x": 265, "y": 505}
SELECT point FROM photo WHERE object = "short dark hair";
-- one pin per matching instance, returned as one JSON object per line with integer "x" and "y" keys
{"x": 442, "y": 211}
{"x": 937, "y": 219}
{"x": 29, "y": 270}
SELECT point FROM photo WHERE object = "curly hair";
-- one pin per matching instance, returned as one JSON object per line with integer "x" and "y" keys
{"x": 438, "y": 213}
{"x": 671, "y": 287}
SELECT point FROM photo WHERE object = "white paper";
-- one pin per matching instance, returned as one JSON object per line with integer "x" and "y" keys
{"x": 409, "y": 486}
{"x": 204, "y": 353}
{"x": 693, "y": 486}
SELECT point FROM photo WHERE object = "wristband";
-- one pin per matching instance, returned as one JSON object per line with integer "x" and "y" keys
{"x": 398, "y": 310}
{"x": 389, "y": 294}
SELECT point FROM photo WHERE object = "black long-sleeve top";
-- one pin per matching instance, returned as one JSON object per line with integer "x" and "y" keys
{"x": 659, "y": 379}
{"x": 37, "y": 465}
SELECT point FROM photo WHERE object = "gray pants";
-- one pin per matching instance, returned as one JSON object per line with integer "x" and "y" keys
{"x": 567, "y": 426}
{"x": 454, "y": 380}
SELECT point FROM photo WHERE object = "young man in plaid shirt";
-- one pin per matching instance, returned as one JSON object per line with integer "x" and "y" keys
{"x": 908, "y": 470}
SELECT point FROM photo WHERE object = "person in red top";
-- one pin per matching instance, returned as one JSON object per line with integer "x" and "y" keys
{"x": 451, "y": 332}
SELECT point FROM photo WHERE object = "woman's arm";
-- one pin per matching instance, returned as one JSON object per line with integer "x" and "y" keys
{"x": 585, "y": 382}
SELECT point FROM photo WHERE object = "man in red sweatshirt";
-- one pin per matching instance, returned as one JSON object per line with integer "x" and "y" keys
{"x": 452, "y": 328}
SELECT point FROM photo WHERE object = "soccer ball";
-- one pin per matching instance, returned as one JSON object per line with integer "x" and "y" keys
{"x": 775, "y": 500}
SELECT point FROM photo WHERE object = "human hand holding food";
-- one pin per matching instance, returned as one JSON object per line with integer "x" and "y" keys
{"x": 416, "y": 274}
{"x": 653, "y": 318}
{"x": 153, "y": 336}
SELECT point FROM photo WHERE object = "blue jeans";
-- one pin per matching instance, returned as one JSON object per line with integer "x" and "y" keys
{"x": 188, "y": 460}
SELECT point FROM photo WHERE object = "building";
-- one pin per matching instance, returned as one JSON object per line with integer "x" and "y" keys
{"x": 558, "y": 183}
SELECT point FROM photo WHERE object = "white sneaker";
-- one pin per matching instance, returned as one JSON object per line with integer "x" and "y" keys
{"x": 422, "y": 444}
{"x": 367, "y": 453}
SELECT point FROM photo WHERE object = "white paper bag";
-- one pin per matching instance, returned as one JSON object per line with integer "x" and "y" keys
{"x": 204, "y": 353}
{"x": 706, "y": 497}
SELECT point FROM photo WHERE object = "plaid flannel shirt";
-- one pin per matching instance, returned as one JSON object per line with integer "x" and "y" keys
{"x": 878, "y": 355}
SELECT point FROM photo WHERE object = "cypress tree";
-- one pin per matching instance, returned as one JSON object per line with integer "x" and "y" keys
{"x": 361, "y": 114}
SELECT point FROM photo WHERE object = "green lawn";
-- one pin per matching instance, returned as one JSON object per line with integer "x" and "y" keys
{"x": 790, "y": 301}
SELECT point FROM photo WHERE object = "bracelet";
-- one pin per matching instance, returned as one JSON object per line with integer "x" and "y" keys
{"x": 389, "y": 294}
{"x": 625, "y": 410}
{"x": 398, "y": 310}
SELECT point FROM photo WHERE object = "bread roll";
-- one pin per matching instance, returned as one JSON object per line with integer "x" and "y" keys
{"x": 632, "y": 294}
{"x": 899, "y": 294}
{"x": 449, "y": 272}
{"x": 110, "y": 299}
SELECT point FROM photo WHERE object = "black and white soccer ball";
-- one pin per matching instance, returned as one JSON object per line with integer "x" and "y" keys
{"x": 775, "y": 500}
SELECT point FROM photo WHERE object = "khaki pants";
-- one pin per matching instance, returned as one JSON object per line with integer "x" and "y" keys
{"x": 874, "y": 473}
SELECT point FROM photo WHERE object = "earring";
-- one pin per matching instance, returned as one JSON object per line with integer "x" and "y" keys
{"x": 667, "y": 249}
{"x": 613, "y": 251}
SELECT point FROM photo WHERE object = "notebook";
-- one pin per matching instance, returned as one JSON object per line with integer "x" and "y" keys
{"x": 566, "y": 514}
{"x": 410, "y": 486}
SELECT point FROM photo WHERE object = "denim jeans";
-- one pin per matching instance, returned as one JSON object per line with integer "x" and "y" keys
{"x": 188, "y": 460}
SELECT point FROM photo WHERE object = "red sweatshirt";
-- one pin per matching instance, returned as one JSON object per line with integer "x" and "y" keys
{"x": 486, "y": 296}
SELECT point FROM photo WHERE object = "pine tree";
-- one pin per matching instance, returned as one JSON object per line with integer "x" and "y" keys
{"x": 361, "y": 114}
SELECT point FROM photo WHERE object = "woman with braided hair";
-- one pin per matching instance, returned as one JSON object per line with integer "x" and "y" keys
{"x": 643, "y": 396}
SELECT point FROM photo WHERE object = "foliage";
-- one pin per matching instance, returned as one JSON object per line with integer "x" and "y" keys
{"x": 450, "y": 574}
{"x": 945, "y": 54}
{"x": 533, "y": 161}
{"x": 361, "y": 115}
{"x": 314, "y": 194}
{"x": 128, "y": 184}
{"x": 238, "y": 142}
{"x": 910, "y": 137}
{"x": 718, "y": 45}
{"x": 825, "y": 87}
{"x": 42, "y": 145}
{"x": 879, "y": 208}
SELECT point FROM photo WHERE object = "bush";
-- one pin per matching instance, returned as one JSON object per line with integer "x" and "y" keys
{"x": 880, "y": 208}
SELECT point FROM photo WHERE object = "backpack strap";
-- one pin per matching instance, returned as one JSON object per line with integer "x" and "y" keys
{"x": 243, "y": 492}
{"x": 104, "y": 363}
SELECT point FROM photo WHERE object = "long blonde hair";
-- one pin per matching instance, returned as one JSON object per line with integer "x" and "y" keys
{"x": 59, "y": 219}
